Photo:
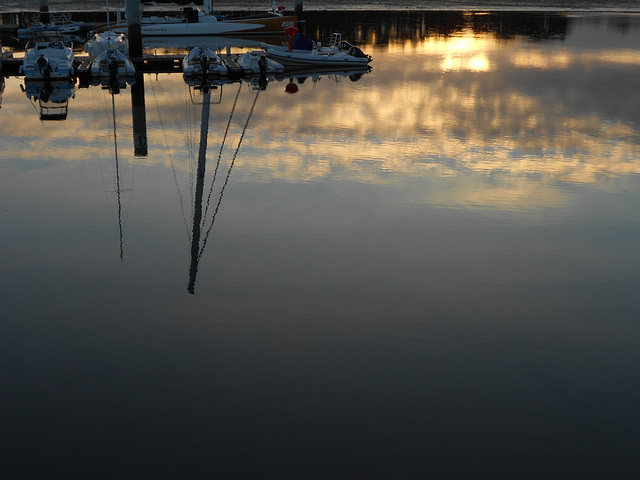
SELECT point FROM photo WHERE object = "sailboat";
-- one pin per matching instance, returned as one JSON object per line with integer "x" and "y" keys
{"x": 205, "y": 22}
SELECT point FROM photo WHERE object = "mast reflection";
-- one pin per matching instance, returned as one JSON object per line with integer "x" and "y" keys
{"x": 200, "y": 218}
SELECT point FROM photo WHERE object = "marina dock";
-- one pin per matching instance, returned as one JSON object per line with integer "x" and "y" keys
{"x": 145, "y": 64}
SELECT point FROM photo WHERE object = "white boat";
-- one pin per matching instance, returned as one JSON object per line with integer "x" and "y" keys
{"x": 61, "y": 21}
{"x": 303, "y": 52}
{"x": 202, "y": 59}
{"x": 48, "y": 56}
{"x": 107, "y": 40}
{"x": 110, "y": 49}
{"x": 256, "y": 61}
{"x": 205, "y": 22}
{"x": 112, "y": 63}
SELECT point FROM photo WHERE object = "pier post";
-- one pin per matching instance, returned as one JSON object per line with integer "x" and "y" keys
{"x": 139, "y": 114}
{"x": 134, "y": 28}
{"x": 44, "y": 11}
{"x": 297, "y": 9}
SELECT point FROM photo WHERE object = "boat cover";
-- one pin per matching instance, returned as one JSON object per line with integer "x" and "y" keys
{"x": 302, "y": 43}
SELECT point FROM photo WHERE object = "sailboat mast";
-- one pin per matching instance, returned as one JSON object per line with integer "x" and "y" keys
{"x": 197, "y": 213}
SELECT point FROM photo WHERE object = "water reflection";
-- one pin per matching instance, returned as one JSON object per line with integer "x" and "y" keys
{"x": 200, "y": 219}
{"x": 50, "y": 98}
{"x": 447, "y": 245}
{"x": 505, "y": 108}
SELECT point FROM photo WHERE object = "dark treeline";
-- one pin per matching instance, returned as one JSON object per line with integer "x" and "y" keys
{"x": 359, "y": 26}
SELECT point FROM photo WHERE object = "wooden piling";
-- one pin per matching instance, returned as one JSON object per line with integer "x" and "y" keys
{"x": 134, "y": 29}
{"x": 44, "y": 11}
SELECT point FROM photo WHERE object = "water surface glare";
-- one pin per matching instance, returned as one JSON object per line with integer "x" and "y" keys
{"x": 426, "y": 271}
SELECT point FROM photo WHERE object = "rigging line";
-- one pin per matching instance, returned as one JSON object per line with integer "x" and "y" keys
{"x": 115, "y": 143}
{"x": 226, "y": 180}
{"x": 95, "y": 146}
{"x": 222, "y": 143}
{"x": 190, "y": 135}
{"x": 173, "y": 167}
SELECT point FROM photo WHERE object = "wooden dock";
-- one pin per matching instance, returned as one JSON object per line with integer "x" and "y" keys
{"x": 146, "y": 64}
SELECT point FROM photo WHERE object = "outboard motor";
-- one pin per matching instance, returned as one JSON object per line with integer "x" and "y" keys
{"x": 43, "y": 65}
{"x": 112, "y": 65}
{"x": 356, "y": 52}
{"x": 114, "y": 85}
{"x": 262, "y": 80}
{"x": 204, "y": 61}
{"x": 45, "y": 92}
{"x": 262, "y": 64}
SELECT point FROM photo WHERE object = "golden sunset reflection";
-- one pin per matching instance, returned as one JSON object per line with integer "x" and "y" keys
{"x": 440, "y": 107}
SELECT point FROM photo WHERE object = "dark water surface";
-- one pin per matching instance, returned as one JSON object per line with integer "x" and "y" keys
{"x": 429, "y": 272}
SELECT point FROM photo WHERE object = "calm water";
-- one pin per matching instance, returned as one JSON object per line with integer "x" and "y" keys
{"x": 429, "y": 272}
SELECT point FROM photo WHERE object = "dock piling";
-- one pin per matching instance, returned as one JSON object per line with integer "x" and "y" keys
{"x": 44, "y": 11}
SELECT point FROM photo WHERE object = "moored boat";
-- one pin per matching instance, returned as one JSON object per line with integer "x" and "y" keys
{"x": 48, "y": 56}
{"x": 201, "y": 60}
{"x": 301, "y": 51}
{"x": 61, "y": 21}
{"x": 205, "y": 22}
{"x": 107, "y": 40}
{"x": 256, "y": 61}
{"x": 112, "y": 63}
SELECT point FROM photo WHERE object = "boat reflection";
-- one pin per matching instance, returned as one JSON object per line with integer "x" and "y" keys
{"x": 299, "y": 77}
{"x": 50, "y": 97}
{"x": 213, "y": 42}
{"x": 114, "y": 84}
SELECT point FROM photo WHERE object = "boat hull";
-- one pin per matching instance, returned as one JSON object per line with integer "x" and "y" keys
{"x": 293, "y": 58}
{"x": 222, "y": 27}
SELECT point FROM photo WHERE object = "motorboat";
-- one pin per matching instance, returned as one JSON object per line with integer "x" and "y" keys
{"x": 61, "y": 21}
{"x": 206, "y": 22}
{"x": 257, "y": 62}
{"x": 107, "y": 40}
{"x": 301, "y": 51}
{"x": 202, "y": 60}
{"x": 48, "y": 56}
{"x": 51, "y": 96}
{"x": 112, "y": 63}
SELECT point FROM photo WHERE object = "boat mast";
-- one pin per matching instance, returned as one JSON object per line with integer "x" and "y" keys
{"x": 197, "y": 213}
